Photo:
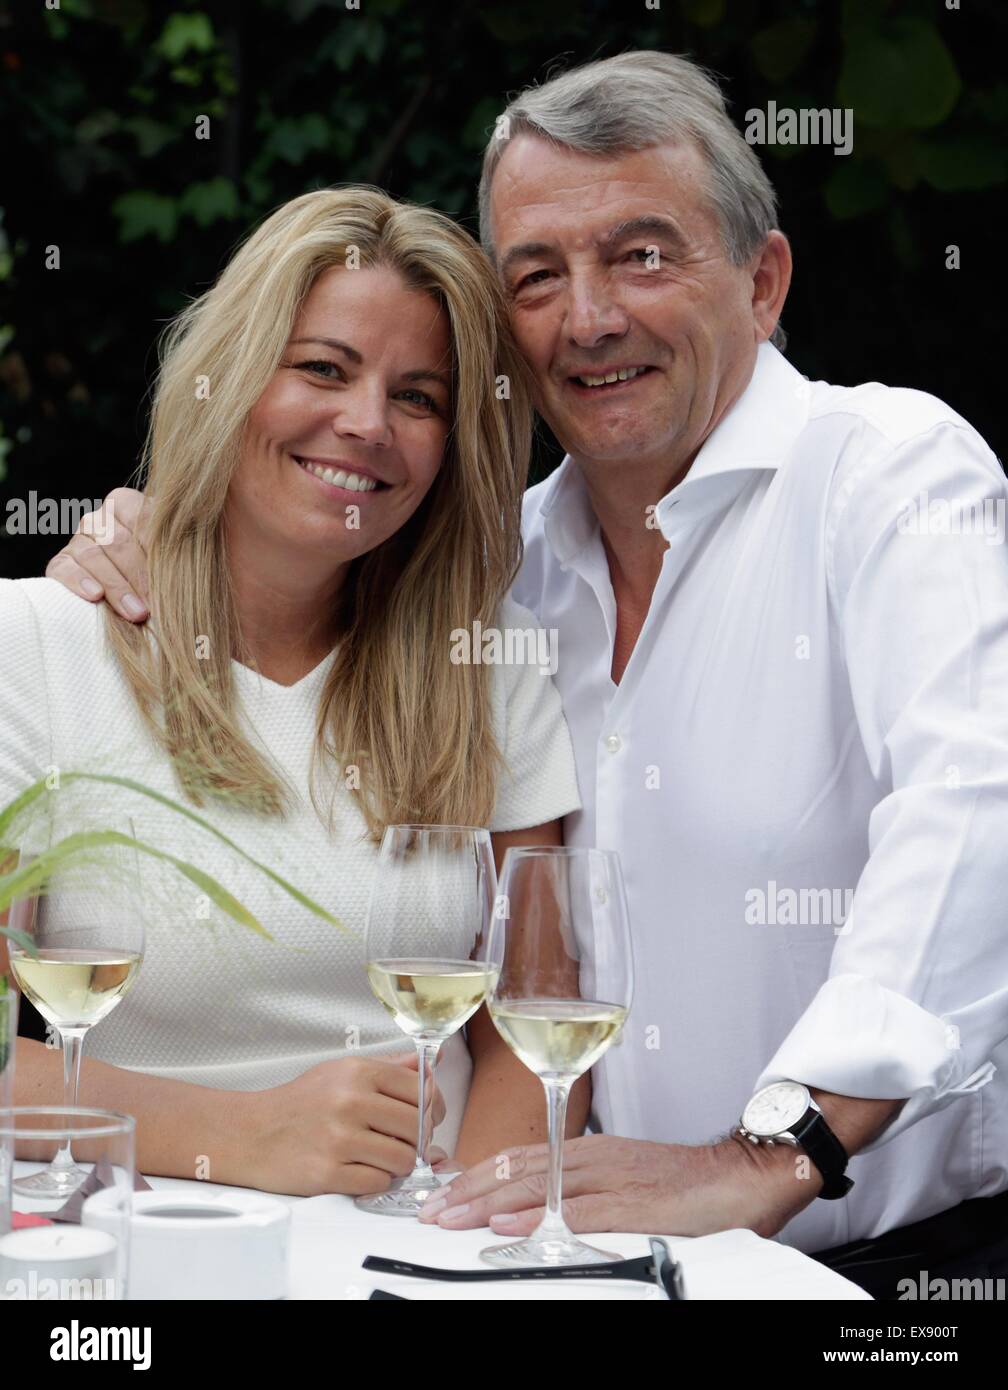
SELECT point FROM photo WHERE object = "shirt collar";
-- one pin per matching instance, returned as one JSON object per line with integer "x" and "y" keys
{"x": 755, "y": 434}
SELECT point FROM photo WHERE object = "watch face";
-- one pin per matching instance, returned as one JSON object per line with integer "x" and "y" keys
{"x": 776, "y": 1108}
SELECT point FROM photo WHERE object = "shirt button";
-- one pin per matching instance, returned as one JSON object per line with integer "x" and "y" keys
{"x": 613, "y": 743}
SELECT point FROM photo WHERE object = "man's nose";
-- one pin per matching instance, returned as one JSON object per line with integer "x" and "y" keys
{"x": 363, "y": 414}
{"x": 592, "y": 313}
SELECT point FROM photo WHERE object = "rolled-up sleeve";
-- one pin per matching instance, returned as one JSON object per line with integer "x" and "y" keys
{"x": 917, "y": 995}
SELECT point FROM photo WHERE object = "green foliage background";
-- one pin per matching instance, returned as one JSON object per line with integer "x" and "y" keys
{"x": 100, "y": 100}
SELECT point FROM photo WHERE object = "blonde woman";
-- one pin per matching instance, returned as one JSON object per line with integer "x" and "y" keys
{"x": 334, "y": 487}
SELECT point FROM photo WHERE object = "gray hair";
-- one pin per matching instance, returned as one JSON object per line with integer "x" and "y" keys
{"x": 632, "y": 102}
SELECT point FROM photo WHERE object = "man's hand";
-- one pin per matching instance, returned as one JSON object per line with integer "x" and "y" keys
{"x": 105, "y": 557}
{"x": 613, "y": 1184}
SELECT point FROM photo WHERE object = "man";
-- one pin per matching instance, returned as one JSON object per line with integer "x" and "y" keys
{"x": 786, "y": 682}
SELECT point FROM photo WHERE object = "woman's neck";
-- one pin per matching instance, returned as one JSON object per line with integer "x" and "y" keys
{"x": 285, "y": 606}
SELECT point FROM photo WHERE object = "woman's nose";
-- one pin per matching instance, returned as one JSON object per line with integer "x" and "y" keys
{"x": 363, "y": 414}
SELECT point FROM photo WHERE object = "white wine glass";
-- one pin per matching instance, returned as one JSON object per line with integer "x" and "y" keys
{"x": 562, "y": 990}
{"x": 425, "y": 947}
{"x": 84, "y": 918}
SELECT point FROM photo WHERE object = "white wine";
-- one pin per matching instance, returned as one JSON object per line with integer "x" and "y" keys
{"x": 75, "y": 988}
{"x": 558, "y": 1039}
{"x": 431, "y": 998}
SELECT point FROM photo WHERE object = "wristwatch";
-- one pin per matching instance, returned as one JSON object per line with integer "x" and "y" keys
{"x": 785, "y": 1113}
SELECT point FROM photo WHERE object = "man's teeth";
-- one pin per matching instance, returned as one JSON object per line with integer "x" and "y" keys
{"x": 624, "y": 374}
{"x": 355, "y": 482}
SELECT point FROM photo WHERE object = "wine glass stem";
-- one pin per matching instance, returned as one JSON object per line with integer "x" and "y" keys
{"x": 553, "y": 1223}
{"x": 73, "y": 1045}
{"x": 427, "y": 1055}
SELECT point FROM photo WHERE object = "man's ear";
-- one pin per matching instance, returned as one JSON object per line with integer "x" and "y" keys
{"x": 771, "y": 279}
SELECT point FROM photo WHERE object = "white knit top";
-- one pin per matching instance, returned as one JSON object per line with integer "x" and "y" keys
{"x": 215, "y": 1003}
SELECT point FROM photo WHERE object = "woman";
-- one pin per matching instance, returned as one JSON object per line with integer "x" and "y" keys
{"x": 334, "y": 487}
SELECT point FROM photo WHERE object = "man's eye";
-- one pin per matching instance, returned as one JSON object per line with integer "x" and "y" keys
{"x": 534, "y": 278}
{"x": 331, "y": 371}
{"x": 641, "y": 254}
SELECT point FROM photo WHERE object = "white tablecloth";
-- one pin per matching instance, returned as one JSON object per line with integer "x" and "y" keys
{"x": 330, "y": 1237}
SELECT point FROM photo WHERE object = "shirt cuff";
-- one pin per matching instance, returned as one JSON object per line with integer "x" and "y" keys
{"x": 858, "y": 1038}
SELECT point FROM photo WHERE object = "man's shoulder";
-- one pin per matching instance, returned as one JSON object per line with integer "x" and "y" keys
{"x": 896, "y": 413}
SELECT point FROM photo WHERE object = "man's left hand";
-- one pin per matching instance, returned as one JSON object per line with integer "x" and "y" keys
{"x": 613, "y": 1184}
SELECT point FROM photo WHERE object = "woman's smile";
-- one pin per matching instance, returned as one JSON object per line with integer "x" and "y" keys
{"x": 338, "y": 477}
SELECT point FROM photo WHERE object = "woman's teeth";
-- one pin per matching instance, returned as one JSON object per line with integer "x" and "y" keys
{"x": 354, "y": 482}
{"x": 624, "y": 374}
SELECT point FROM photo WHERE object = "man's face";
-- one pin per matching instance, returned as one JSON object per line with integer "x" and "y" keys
{"x": 615, "y": 264}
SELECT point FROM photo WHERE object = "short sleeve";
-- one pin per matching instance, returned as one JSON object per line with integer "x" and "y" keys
{"x": 538, "y": 782}
{"x": 24, "y": 711}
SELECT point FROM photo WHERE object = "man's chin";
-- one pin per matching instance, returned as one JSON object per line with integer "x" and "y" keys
{"x": 619, "y": 446}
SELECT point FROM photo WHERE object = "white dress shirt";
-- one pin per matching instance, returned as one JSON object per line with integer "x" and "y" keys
{"x": 817, "y": 704}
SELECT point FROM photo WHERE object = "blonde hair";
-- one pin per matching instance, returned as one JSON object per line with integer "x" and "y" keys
{"x": 418, "y": 726}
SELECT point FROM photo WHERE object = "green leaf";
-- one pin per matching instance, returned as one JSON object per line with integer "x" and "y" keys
{"x": 705, "y": 13}
{"x": 151, "y": 136}
{"x": 185, "y": 32}
{"x": 21, "y": 940}
{"x": 902, "y": 76}
{"x": 143, "y": 214}
{"x": 39, "y": 789}
{"x": 854, "y": 189}
{"x": 957, "y": 165}
{"x": 213, "y": 201}
{"x": 96, "y": 126}
{"x": 292, "y": 137}
{"x": 28, "y": 881}
{"x": 781, "y": 49}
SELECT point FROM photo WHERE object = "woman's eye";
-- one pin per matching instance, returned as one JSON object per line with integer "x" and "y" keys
{"x": 331, "y": 371}
{"x": 420, "y": 398}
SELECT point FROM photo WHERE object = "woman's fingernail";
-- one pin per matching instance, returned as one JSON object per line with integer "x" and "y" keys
{"x": 505, "y": 1222}
{"x": 433, "y": 1205}
{"x": 92, "y": 589}
{"x": 133, "y": 606}
{"x": 453, "y": 1214}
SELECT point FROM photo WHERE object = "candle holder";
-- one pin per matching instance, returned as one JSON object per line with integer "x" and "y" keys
{"x": 49, "y": 1246}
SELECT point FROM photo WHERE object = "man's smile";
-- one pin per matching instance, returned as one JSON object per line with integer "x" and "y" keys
{"x": 602, "y": 381}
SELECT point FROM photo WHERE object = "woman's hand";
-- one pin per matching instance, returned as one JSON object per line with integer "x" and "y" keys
{"x": 105, "y": 557}
{"x": 349, "y": 1125}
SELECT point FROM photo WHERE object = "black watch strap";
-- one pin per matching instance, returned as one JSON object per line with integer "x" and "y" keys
{"x": 826, "y": 1152}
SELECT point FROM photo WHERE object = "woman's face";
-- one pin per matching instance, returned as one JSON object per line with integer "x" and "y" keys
{"x": 347, "y": 438}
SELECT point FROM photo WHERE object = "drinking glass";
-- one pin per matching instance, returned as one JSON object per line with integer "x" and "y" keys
{"x": 83, "y": 917}
{"x": 425, "y": 941}
{"x": 561, "y": 935}
{"x": 54, "y": 1248}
